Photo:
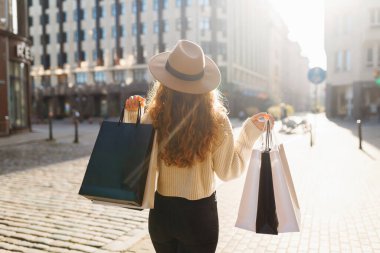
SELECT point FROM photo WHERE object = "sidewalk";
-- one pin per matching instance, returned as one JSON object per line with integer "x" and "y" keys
{"x": 338, "y": 190}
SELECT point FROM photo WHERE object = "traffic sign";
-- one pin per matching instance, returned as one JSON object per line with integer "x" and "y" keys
{"x": 316, "y": 75}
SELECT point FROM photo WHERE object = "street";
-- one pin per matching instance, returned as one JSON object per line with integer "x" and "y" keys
{"x": 337, "y": 185}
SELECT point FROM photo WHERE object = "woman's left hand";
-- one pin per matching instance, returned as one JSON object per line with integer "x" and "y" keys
{"x": 260, "y": 120}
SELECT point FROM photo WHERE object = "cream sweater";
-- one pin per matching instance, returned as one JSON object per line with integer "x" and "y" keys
{"x": 228, "y": 161}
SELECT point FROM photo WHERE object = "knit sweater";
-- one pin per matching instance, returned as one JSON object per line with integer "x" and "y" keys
{"x": 227, "y": 161}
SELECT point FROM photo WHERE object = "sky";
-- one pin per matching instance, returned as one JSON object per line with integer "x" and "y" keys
{"x": 304, "y": 19}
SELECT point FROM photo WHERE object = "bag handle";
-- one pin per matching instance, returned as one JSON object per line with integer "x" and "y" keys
{"x": 138, "y": 120}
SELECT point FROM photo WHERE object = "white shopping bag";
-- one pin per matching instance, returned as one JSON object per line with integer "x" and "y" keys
{"x": 287, "y": 207}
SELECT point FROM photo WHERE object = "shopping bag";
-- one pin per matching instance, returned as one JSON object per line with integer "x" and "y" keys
{"x": 119, "y": 165}
{"x": 258, "y": 212}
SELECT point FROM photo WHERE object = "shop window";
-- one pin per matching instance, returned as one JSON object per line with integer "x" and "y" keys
{"x": 119, "y": 76}
{"x": 99, "y": 77}
{"x": 46, "y": 81}
{"x": 139, "y": 75}
{"x": 81, "y": 78}
{"x": 62, "y": 79}
{"x": 18, "y": 103}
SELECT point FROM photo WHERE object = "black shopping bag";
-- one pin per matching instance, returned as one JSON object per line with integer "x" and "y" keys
{"x": 119, "y": 163}
{"x": 266, "y": 219}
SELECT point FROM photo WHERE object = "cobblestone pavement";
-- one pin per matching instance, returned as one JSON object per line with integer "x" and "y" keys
{"x": 338, "y": 188}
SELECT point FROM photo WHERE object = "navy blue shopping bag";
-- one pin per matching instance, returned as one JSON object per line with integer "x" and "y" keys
{"x": 119, "y": 163}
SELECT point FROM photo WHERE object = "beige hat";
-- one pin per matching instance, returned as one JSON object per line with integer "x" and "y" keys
{"x": 185, "y": 69}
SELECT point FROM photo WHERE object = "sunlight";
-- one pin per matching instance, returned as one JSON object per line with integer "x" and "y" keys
{"x": 305, "y": 21}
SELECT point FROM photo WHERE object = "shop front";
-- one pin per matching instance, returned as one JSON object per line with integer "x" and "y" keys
{"x": 15, "y": 91}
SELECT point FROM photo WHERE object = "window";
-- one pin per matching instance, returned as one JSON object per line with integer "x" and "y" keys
{"x": 155, "y": 4}
{"x": 121, "y": 9}
{"x": 99, "y": 77}
{"x": 82, "y": 15}
{"x": 30, "y": 3}
{"x": 156, "y": 28}
{"x": 369, "y": 57}
{"x": 139, "y": 75}
{"x": 61, "y": 17}
{"x": 81, "y": 78}
{"x": 45, "y": 39}
{"x": 204, "y": 2}
{"x": 338, "y": 61}
{"x": 83, "y": 58}
{"x": 121, "y": 31}
{"x": 375, "y": 17}
{"x": 81, "y": 37}
{"x": 134, "y": 28}
{"x": 204, "y": 24}
{"x": 45, "y": 61}
{"x": 95, "y": 34}
{"x": 100, "y": 12}
{"x": 118, "y": 76}
{"x": 30, "y": 21}
{"x": 62, "y": 37}
{"x": 187, "y": 23}
{"x": 62, "y": 59}
{"x": 44, "y": 19}
{"x": 178, "y": 3}
{"x": 134, "y": 7}
{"x": 95, "y": 55}
{"x": 347, "y": 60}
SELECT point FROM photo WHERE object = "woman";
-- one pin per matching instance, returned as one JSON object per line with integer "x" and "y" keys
{"x": 195, "y": 140}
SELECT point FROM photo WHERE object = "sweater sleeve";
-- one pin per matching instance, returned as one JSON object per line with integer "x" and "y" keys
{"x": 231, "y": 158}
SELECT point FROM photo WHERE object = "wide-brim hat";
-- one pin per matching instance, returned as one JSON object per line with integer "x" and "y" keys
{"x": 185, "y": 69}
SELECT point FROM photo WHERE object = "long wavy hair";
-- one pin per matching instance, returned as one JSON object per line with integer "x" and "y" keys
{"x": 187, "y": 124}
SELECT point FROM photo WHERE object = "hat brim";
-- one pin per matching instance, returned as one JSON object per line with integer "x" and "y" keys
{"x": 210, "y": 80}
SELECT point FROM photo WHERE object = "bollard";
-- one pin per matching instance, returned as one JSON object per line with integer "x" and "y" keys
{"x": 311, "y": 136}
{"x": 50, "y": 128}
{"x": 76, "y": 116}
{"x": 359, "y": 122}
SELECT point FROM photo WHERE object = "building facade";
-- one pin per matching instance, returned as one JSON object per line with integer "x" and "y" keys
{"x": 352, "y": 43}
{"x": 15, "y": 58}
{"x": 90, "y": 55}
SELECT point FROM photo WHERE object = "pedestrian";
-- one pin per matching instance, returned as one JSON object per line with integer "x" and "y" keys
{"x": 195, "y": 141}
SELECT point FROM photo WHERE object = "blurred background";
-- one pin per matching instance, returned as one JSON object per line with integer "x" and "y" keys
{"x": 65, "y": 65}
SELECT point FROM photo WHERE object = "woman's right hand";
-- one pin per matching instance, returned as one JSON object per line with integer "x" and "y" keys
{"x": 260, "y": 120}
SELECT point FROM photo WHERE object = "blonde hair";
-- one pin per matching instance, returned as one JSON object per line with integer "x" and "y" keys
{"x": 187, "y": 124}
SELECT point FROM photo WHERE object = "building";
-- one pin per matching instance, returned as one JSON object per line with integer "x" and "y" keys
{"x": 90, "y": 55}
{"x": 15, "y": 58}
{"x": 352, "y": 43}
